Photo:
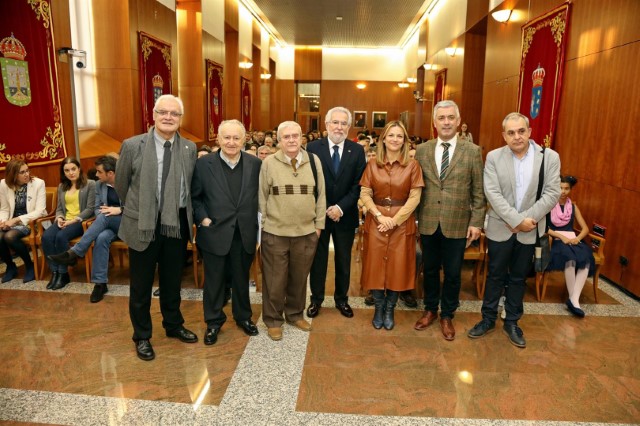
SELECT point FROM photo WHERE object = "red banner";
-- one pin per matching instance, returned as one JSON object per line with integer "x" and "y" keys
{"x": 155, "y": 73}
{"x": 214, "y": 97}
{"x": 438, "y": 92}
{"x": 544, "y": 42}
{"x": 30, "y": 104}
{"x": 245, "y": 93}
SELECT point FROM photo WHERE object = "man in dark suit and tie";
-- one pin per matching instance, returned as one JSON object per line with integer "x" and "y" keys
{"x": 225, "y": 203}
{"x": 153, "y": 180}
{"x": 343, "y": 163}
{"x": 511, "y": 179}
{"x": 451, "y": 214}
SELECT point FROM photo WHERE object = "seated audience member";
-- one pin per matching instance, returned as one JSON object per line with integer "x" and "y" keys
{"x": 103, "y": 231}
{"x": 263, "y": 152}
{"x": 22, "y": 199}
{"x": 568, "y": 252}
{"x": 76, "y": 202}
{"x": 464, "y": 134}
{"x": 268, "y": 141}
{"x": 204, "y": 150}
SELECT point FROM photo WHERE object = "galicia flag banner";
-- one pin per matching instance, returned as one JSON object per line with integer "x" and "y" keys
{"x": 544, "y": 42}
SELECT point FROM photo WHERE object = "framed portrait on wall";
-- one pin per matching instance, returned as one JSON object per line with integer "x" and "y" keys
{"x": 359, "y": 119}
{"x": 379, "y": 119}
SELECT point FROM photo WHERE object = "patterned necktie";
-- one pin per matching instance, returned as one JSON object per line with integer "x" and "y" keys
{"x": 166, "y": 164}
{"x": 336, "y": 158}
{"x": 444, "y": 165}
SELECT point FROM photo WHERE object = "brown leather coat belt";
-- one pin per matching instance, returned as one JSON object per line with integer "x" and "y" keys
{"x": 388, "y": 202}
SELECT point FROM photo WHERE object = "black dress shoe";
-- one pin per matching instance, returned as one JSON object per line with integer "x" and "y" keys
{"x": 211, "y": 336}
{"x": 313, "y": 310}
{"x": 62, "y": 279}
{"x": 248, "y": 327}
{"x": 54, "y": 277}
{"x": 184, "y": 335}
{"x": 515, "y": 335}
{"x": 144, "y": 350}
{"x": 66, "y": 258}
{"x": 98, "y": 292}
{"x": 345, "y": 310}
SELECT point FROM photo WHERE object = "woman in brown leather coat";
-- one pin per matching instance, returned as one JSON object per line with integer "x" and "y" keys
{"x": 391, "y": 187}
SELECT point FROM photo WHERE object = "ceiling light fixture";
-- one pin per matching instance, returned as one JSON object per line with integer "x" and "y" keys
{"x": 502, "y": 16}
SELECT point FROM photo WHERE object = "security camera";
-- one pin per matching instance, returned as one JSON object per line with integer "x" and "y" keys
{"x": 79, "y": 55}
{"x": 80, "y": 63}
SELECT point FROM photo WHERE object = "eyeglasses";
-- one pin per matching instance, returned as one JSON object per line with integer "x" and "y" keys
{"x": 522, "y": 131}
{"x": 23, "y": 172}
{"x": 163, "y": 113}
{"x": 338, "y": 123}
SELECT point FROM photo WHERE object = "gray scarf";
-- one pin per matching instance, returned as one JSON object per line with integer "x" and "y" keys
{"x": 148, "y": 209}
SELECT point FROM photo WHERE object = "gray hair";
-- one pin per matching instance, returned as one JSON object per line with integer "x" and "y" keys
{"x": 286, "y": 125}
{"x": 264, "y": 148}
{"x": 446, "y": 104}
{"x": 327, "y": 118}
{"x": 169, "y": 97}
{"x": 229, "y": 123}
{"x": 514, "y": 116}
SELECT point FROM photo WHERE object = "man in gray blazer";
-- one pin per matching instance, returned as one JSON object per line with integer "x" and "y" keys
{"x": 225, "y": 203}
{"x": 153, "y": 180}
{"x": 511, "y": 176}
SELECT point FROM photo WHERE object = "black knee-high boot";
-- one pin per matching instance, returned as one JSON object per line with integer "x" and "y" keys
{"x": 389, "y": 306}
{"x": 378, "y": 302}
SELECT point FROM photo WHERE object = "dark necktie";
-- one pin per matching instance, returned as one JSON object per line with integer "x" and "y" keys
{"x": 294, "y": 163}
{"x": 166, "y": 164}
{"x": 444, "y": 165}
{"x": 336, "y": 158}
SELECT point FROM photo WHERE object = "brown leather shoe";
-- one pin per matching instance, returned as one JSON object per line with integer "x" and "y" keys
{"x": 448, "y": 331}
{"x": 301, "y": 324}
{"x": 427, "y": 319}
{"x": 275, "y": 333}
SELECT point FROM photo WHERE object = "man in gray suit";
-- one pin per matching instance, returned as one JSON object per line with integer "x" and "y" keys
{"x": 511, "y": 176}
{"x": 153, "y": 179}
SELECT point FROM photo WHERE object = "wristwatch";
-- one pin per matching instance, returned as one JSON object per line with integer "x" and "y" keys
{"x": 378, "y": 214}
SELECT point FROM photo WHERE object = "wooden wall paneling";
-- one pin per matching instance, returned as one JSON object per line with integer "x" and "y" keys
{"x": 476, "y": 11}
{"x": 231, "y": 76}
{"x": 271, "y": 122}
{"x": 498, "y": 100}
{"x": 256, "y": 82}
{"x": 212, "y": 48}
{"x": 231, "y": 15}
{"x": 472, "y": 87}
{"x": 191, "y": 69}
{"x": 377, "y": 96}
{"x": 308, "y": 64}
{"x": 283, "y": 101}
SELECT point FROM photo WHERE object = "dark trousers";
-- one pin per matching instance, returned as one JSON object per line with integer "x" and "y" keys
{"x": 438, "y": 250}
{"x": 216, "y": 269}
{"x": 168, "y": 254}
{"x": 342, "y": 244}
{"x": 55, "y": 240}
{"x": 509, "y": 263}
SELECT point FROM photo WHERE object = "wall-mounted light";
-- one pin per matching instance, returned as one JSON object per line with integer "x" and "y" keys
{"x": 451, "y": 51}
{"x": 403, "y": 85}
{"x": 411, "y": 80}
{"x": 502, "y": 16}
{"x": 265, "y": 76}
{"x": 245, "y": 65}
{"x": 428, "y": 67}
{"x": 361, "y": 86}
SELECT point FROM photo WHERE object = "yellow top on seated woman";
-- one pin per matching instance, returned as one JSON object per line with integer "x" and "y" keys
{"x": 72, "y": 202}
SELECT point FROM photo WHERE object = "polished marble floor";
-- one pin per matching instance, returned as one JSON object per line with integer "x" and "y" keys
{"x": 66, "y": 361}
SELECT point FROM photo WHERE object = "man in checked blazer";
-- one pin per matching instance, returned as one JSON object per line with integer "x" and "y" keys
{"x": 451, "y": 213}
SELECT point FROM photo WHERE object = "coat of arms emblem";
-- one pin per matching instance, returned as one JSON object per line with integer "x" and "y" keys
{"x": 15, "y": 71}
